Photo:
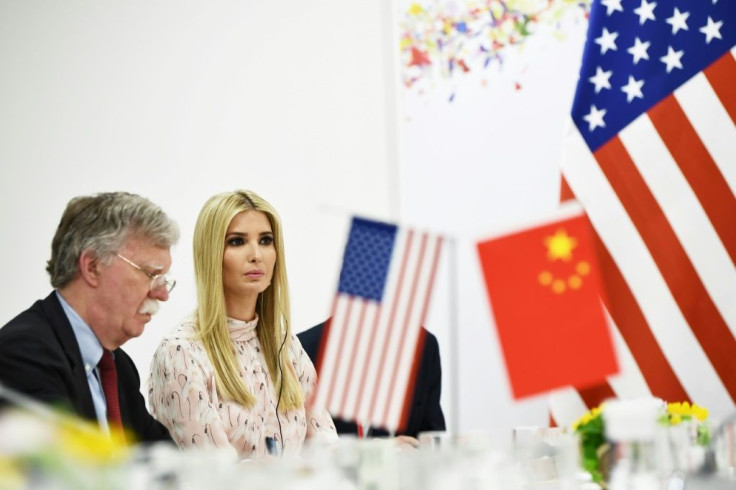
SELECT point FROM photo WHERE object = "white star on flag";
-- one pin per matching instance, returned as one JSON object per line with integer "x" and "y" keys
{"x": 601, "y": 79}
{"x": 612, "y": 6}
{"x": 639, "y": 50}
{"x": 672, "y": 59}
{"x": 712, "y": 29}
{"x": 645, "y": 11}
{"x": 633, "y": 89}
{"x": 678, "y": 21}
{"x": 595, "y": 118}
{"x": 607, "y": 40}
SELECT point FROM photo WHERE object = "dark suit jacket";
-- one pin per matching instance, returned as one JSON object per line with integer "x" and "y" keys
{"x": 425, "y": 413}
{"x": 39, "y": 356}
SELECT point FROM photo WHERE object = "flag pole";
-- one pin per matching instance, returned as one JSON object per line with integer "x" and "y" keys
{"x": 454, "y": 341}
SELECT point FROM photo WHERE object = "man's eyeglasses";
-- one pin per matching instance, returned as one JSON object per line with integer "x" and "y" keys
{"x": 158, "y": 281}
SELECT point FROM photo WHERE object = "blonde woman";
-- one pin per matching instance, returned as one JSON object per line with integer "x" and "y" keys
{"x": 233, "y": 375}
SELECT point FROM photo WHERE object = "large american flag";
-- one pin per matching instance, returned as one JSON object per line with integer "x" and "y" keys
{"x": 652, "y": 157}
{"x": 367, "y": 362}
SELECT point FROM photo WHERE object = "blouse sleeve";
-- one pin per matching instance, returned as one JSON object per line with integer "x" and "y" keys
{"x": 319, "y": 422}
{"x": 179, "y": 398}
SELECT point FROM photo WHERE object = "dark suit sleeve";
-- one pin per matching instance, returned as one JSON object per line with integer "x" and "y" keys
{"x": 310, "y": 340}
{"x": 433, "y": 418}
{"x": 147, "y": 428}
{"x": 35, "y": 366}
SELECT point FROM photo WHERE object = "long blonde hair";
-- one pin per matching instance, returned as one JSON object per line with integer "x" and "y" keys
{"x": 272, "y": 305}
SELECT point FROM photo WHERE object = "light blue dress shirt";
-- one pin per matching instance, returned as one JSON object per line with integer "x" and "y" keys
{"x": 91, "y": 351}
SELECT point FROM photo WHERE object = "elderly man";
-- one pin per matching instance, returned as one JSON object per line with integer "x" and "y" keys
{"x": 109, "y": 259}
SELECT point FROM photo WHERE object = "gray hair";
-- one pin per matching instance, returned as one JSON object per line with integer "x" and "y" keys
{"x": 101, "y": 223}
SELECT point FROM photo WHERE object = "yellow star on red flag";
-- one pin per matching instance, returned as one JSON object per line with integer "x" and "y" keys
{"x": 560, "y": 245}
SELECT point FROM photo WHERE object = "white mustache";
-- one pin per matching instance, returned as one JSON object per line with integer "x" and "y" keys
{"x": 149, "y": 307}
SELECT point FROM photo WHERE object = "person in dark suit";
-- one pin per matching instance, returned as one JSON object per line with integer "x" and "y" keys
{"x": 108, "y": 262}
{"x": 425, "y": 413}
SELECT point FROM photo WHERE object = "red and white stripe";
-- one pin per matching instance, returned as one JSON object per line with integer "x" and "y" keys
{"x": 660, "y": 196}
{"x": 369, "y": 354}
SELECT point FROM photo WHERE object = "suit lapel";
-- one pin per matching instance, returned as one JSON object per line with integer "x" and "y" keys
{"x": 63, "y": 329}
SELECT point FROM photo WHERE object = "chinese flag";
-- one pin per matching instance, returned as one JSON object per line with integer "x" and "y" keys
{"x": 544, "y": 286}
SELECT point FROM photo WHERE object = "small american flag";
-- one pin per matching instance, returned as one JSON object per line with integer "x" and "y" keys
{"x": 370, "y": 344}
{"x": 652, "y": 158}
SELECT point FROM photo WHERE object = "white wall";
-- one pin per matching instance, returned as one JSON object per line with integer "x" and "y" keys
{"x": 295, "y": 100}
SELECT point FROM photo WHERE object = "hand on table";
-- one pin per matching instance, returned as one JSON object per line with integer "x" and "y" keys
{"x": 406, "y": 442}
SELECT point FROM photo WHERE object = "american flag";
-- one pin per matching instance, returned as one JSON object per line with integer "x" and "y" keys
{"x": 367, "y": 363}
{"x": 652, "y": 157}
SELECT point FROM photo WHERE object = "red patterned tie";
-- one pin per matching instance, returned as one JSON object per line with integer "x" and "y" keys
{"x": 109, "y": 376}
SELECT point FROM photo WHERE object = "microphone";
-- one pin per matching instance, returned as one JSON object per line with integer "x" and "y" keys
{"x": 271, "y": 446}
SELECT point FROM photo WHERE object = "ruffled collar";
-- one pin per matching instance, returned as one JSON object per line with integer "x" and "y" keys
{"x": 242, "y": 330}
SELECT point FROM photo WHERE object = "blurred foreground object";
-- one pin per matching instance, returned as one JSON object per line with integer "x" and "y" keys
{"x": 368, "y": 362}
{"x": 425, "y": 411}
{"x": 40, "y": 447}
{"x": 647, "y": 443}
{"x": 544, "y": 288}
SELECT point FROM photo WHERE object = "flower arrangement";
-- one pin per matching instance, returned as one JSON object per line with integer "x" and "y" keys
{"x": 591, "y": 432}
{"x": 61, "y": 451}
{"x": 695, "y": 415}
{"x": 590, "y": 428}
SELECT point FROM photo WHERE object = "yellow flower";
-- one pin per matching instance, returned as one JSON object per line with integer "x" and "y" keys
{"x": 584, "y": 419}
{"x": 86, "y": 443}
{"x": 678, "y": 408}
{"x": 677, "y": 412}
{"x": 588, "y": 416}
{"x": 700, "y": 413}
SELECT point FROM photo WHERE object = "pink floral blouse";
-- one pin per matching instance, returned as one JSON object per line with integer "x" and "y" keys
{"x": 182, "y": 395}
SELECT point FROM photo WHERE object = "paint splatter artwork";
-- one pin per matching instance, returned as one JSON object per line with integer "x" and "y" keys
{"x": 444, "y": 40}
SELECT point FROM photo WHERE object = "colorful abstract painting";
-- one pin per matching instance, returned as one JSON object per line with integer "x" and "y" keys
{"x": 443, "y": 40}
